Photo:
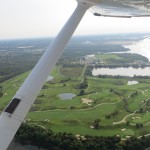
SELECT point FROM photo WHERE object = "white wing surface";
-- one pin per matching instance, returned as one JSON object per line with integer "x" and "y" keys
{"x": 122, "y": 8}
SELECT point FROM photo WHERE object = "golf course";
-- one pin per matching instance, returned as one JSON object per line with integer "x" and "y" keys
{"x": 99, "y": 106}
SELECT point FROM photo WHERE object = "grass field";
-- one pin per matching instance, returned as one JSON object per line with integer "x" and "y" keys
{"x": 77, "y": 117}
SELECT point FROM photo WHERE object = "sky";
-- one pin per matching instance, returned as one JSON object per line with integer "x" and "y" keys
{"x": 45, "y": 18}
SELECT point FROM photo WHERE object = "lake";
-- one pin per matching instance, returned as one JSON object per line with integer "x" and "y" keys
{"x": 66, "y": 96}
{"x": 130, "y": 71}
{"x": 132, "y": 82}
{"x": 141, "y": 47}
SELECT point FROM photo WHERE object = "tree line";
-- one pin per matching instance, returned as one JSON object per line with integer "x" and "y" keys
{"x": 39, "y": 136}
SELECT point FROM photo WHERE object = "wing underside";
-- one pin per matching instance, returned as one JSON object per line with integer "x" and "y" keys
{"x": 122, "y": 8}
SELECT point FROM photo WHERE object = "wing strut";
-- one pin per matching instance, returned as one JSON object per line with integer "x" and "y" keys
{"x": 12, "y": 117}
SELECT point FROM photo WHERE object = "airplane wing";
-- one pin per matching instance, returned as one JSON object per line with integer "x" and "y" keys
{"x": 14, "y": 114}
{"x": 122, "y": 8}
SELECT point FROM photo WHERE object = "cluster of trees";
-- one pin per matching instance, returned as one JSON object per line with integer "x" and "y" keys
{"x": 125, "y": 60}
{"x": 132, "y": 57}
{"x": 124, "y": 99}
{"x": 141, "y": 110}
{"x": 16, "y": 64}
{"x": 75, "y": 49}
{"x": 134, "y": 143}
{"x": 134, "y": 94}
{"x": 139, "y": 125}
{"x": 82, "y": 92}
{"x": 119, "y": 64}
{"x": 1, "y": 91}
{"x": 96, "y": 123}
{"x": 88, "y": 71}
{"x": 41, "y": 137}
{"x": 108, "y": 116}
{"x": 120, "y": 77}
{"x": 18, "y": 57}
{"x": 84, "y": 83}
{"x": 111, "y": 76}
{"x": 148, "y": 102}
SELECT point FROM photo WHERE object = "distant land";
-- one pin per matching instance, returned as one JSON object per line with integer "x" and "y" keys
{"x": 74, "y": 101}
{"x": 24, "y": 53}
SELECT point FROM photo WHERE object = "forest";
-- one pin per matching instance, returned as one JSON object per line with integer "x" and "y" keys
{"x": 43, "y": 138}
{"x": 19, "y": 56}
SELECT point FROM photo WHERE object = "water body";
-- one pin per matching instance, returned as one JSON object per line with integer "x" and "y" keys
{"x": 130, "y": 71}
{"x": 141, "y": 47}
{"x": 132, "y": 82}
{"x": 90, "y": 56}
{"x": 67, "y": 96}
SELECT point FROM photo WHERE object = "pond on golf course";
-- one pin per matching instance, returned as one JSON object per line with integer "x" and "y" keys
{"x": 67, "y": 96}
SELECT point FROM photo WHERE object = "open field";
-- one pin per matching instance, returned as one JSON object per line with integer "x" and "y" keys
{"x": 118, "y": 106}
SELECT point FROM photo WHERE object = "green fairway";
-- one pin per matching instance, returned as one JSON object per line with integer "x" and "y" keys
{"x": 109, "y": 99}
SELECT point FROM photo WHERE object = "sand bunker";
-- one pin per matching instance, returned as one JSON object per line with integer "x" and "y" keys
{"x": 86, "y": 101}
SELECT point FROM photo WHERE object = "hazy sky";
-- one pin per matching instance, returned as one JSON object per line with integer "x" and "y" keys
{"x": 39, "y": 18}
